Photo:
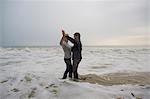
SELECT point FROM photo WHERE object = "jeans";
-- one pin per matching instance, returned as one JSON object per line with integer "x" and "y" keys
{"x": 75, "y": 67}
{"x": 68, "y": 68}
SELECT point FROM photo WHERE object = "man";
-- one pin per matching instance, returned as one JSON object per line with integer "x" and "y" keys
{"x": 76, "y": 50}
{"x": 67, "y": 55}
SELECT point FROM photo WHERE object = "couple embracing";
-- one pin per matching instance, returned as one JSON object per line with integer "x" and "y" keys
{"x": 73, "y": 52}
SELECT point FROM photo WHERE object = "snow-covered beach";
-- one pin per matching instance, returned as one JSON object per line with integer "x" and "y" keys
{"x": 34, "y": 73}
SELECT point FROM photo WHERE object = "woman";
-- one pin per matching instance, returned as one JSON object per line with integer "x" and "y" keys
{"x": 67, "y": 55}
{"x": 76, "y": 50}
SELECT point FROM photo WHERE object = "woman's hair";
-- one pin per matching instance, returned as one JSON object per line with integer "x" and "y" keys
{"x": 77, "y": 34}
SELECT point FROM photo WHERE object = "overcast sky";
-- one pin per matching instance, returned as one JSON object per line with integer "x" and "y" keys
{"x": 100, "y": 22}
{"x": 0, "y": 22}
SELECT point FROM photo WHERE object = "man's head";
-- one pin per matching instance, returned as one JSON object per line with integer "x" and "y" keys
{"x": 77, "y": 36}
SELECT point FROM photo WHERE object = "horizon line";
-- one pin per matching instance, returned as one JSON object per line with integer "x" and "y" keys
{"x": 22, "y": 46}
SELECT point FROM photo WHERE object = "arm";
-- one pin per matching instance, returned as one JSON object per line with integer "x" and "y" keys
{"x": 71, "y": 39}
{"x": 61, "y": 41}
{"x": 63, "y": 35}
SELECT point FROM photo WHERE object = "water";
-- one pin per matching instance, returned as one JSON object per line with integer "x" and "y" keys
{"x": 38, "y": 68}
{"x": 95, "y": 59}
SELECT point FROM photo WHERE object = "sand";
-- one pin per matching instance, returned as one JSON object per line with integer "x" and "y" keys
{"x": 140, "y": 78}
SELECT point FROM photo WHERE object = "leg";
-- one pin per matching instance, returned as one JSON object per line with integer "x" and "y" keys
{"x": 75, "y": 68}
{"x": 70, "y": 68}
{"x": 67, "y": 68}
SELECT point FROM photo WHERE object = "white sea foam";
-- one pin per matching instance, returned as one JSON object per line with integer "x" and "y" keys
{"x": 35, "y": 72}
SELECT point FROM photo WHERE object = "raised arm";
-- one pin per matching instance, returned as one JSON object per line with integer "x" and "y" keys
{"x": 61, "y": 41}
{"x": 63, "y": 35}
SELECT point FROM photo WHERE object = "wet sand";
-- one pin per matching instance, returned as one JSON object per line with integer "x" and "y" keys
{"x": 140, "y": 78}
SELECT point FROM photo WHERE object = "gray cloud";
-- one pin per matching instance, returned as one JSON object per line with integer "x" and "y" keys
{"x": 39, "y": 22}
